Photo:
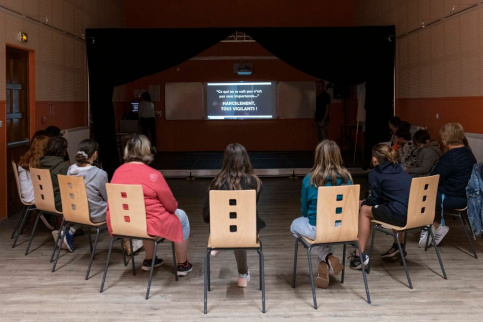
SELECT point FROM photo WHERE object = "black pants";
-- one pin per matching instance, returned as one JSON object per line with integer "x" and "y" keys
{"x": 148, "y": 127}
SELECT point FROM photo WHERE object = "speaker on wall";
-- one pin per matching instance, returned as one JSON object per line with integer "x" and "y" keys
{"x": 341, "y": 91}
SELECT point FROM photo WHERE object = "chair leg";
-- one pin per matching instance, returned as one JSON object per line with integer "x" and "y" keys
{"x": 403, "y": 260}
{"x": 90, "y": 238}
{"x": 295, "y": 262}
{"x": 262, "y": 278}
{"x": 132, "y": 257}
{"x": 123, "y": 252}
{"x": 22, "y": 225}
{"x": 363, "y": 269}
{"x": 371, "y": 249}
{"x": 20, "y": 219}
{"x": 33, "y": 232}
{"x": 209, "y": 271}
{"x": 57, "y": 249}
{"x": 175, "y": 270}
{"x": 60, "y": 235}
{"x": 93, "y": 253}
{"x": 439, "y": 256}
{"x": 427, "y": 228}
{"x": 467, "y": 235}
{"x": 309, "y": 259}
{"x": 343, "y": 264}
{"x": 152, "y": 267}
{"x": 207, "y": 255}
{"x": 107, "y": 264}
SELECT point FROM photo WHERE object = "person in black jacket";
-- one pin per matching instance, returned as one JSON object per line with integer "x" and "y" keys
{"x": 387, "y": 202}
{"x": 236, "y": 174}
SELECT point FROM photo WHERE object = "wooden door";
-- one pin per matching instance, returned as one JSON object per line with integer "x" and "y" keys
{"x": 17, "y": 119}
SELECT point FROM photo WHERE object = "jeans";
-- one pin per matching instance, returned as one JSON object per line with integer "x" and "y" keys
{"x": 185, "y": 224}
{"x": 302, "y": 227}
{"x": 474, "y": 192}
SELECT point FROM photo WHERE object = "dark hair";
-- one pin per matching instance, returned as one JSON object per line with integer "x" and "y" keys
{"x": 421, "y": 136}
{"x": 52, "y": 131}
{"x": 39, "y": 133}
{"x": 57, "y": 146}
{"x": 395, "y": 121}
{"x": 404, "y": 126}
{"x": 146, "y": 96}
{"x": 404, "y": 134}
{"x": 86, "y": 149}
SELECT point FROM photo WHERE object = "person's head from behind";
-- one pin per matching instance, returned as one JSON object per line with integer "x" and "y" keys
{"x": 39, "y": 133}
{"x": 382, "y": 153}
{"x": 146, "y": 96}
{"x": 53, "y": 131}
{"x": 403, "y": 136}
{"x": 56, "y": 147}
{"x": 35, "y": 152}
{"x": 328, "y": 165}
{"x": 452, "y": 134}
{"x": 87, "y": 152}
{"x": 421, "y": 137}
{"x": 236, "y": 168}
{"x": 394, "y": 123}
{"x": 138, "y": 149}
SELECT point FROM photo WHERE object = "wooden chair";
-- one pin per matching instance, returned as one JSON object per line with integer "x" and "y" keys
{"x": 233, "y": 226}
{"x": 337, "y": 223}
{"x": 128, "y": 220}
{"x": 75, "y": 208}
{"x": 462, "y": 215}
{"x": 28, "y": 207}
{"x": 421, "y": 210}
{"x": 44, "y": 200}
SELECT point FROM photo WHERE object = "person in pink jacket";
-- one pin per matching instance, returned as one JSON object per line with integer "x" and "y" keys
{"x": 163, "y": 217}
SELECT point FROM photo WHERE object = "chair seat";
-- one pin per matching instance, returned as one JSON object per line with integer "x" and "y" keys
{"x": 214, "y": 246}
{"x": 386, "y": 225}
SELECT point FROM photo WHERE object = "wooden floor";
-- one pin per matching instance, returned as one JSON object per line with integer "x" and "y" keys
{"x": 30, "y": 292}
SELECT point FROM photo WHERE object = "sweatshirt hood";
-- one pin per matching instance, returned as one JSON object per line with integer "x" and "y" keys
{"x": 433, "y": 145}
{"x": 51, "y": 161}
{"x": 389, "y": 168}
{"x": 88, "y": 173}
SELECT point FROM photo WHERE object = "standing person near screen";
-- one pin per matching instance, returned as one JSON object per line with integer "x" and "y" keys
{"x": 147, "y": 119}
{"x": 321, "y": 116}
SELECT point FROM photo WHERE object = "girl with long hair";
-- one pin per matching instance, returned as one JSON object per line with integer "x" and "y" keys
{"x": 328, "y": 170}
{"x": 31, "y": 159}
{"x": 236, "y": 174}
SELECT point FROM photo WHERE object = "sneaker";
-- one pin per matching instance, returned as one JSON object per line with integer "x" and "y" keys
{"x": 440, "y": 233}
{"x": 243, "y": 279}
{"x": 137, "y": 244}
{"x": 335, "y": 267}
{"x": 147, "y": 264}
{"x": 424, "y": 237}
{"x": 322, "y": 280}
{"x": 60, "y": 244}
{"x": 69, "y": 240}
{"x": 393, "y": 253}
{"x": 46, "y": 222}
{"x": 214, "y": 253}
{"x": 184, "y": 268}
{"x": 356, "y": 262}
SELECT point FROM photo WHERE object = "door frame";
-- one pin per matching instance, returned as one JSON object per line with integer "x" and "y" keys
{"x": 3, "y": 117}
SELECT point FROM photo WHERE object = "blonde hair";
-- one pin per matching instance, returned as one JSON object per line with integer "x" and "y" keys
{"x": 138, "y": 148}
{"x": 384, "y": 153}
{"x": 328, "y": 165}
{"x": 452, "y": 133}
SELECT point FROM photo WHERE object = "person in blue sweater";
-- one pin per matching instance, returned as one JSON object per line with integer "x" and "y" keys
{"x": 328, "y": 170}
{"x": 387, "y": 202}
{"x": 454, "y": 169}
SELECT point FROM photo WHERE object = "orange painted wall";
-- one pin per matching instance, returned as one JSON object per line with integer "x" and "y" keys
{"x": 236, "y": 13}
{"x": 65, "y": 115}
{"x": 3, "y": 163}
{"x": 422, "y": 111}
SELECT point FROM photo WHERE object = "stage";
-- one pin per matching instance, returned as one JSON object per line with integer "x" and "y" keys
{"x": 201, "y": 164}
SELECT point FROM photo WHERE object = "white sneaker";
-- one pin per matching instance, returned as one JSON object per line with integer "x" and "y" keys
{"x": 440, "y": 233}
{"x": 424, "y": 237}
{"x": 243, "y": 280}
{"x": 55, "y": 233}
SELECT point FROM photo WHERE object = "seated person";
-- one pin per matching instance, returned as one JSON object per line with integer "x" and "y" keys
{"x": 387, "y": 202}
{"x": 236, "y": 174}
{"x": 163, "y": 217}
{"x": 327, "y": 171}
{"x": 454, "y": 169}
{"x": 393, "y": 125}
{"x": 426, "y": 154}
{"x": 405, "y": 147}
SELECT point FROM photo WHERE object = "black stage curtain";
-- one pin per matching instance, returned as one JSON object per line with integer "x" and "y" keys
{"x": 345, "y": 56}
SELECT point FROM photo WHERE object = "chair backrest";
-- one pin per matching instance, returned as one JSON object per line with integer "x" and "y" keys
{"x": 422, "y": 201}
{"x": 127, "y": 210}
{"x": 75, "y": 206}
{"x": 233, "y": 218}
{"x": 43, "y": 190}
{"x": 17, "y": 181}
{"x": 337, "y": 213}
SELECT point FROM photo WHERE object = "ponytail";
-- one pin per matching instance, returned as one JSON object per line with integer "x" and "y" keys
{"x": 384, "y": 153}
{"x": 87, "y": 148}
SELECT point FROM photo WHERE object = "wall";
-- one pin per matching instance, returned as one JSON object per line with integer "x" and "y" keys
{"x": 60, "y": 60}
{"x": 439, "y": 68}
{"x": 216, "y": 64}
